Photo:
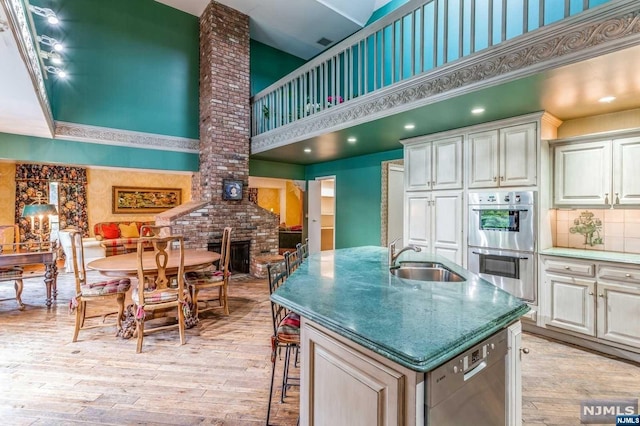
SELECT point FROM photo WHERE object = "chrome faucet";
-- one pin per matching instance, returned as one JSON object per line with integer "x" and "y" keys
{"x": 393, "y": 256}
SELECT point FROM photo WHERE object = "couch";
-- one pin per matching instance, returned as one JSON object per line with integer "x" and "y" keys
{"x": 118, "y": 237}
{"x": 91, "y": 246}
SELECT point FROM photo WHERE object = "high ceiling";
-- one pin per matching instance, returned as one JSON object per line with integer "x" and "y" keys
{"x": 568, "y": 92}
{"x": 295, "y": 26}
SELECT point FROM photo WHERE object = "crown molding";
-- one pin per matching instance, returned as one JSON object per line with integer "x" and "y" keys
{"x": 131, "y": 139}
{"x": 603, "y": 30}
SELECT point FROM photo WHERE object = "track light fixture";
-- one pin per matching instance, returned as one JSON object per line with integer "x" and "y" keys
{"x": 52, "y": 56}
{"x": 47, "y": 13}
{"x": 51, "y": 42}
{"x": 55, "y": 70}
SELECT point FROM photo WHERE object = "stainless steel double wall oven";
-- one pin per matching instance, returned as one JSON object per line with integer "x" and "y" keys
{"x": 502, "y": 228}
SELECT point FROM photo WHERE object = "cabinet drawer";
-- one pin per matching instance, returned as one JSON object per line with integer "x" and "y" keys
{"x": 569, "y": 267}
{"x": 619, "y": 274}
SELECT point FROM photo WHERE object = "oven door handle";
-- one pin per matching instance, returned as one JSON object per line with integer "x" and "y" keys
{"x": 519, "y": 257}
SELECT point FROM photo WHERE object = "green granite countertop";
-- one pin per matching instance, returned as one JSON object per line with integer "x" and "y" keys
{"x": 417, "y": 324}
{"x": 606, "y": 256}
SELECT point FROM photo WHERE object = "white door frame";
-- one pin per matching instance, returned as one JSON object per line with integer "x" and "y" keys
{"x": 316, "y": 215}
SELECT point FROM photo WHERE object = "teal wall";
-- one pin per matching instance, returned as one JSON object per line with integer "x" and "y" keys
{"x": 133, "y": 65}
{"x": 273, "y": 169}
{"x": 358, "y": 196}
{"x": 268, "y": 65}
{"x": 58, "y": 151}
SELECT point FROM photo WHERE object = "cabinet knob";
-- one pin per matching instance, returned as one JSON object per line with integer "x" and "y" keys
{"x": 606, "y": 198}
{"x": 617, "y": 199}
{"x": 568, "y": 268}
{"x": 627, "y": 275}
{"x": 502, "y": 178}
{"x": 590, "y": 293}
{"x": 525, "y": 350}
{"x": 601, "y": 295}
{"x": 433, "y": 183}
{"x": 495, "y": 179}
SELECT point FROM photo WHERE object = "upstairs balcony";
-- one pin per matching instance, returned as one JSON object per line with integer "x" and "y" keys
{"x": 428, "y": 52}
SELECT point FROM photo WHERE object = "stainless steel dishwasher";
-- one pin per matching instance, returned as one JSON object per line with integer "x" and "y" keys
{"x": 470, "y": 389}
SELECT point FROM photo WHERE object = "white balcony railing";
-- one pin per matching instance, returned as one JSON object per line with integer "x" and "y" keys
{"x": 418, "y": 37}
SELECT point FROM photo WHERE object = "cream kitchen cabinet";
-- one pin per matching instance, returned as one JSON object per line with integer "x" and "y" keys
{"x": 503, "y": 157}
{"x": 433, "y": 164}
{"x": 597, "y": 299}
{"x": 600, "y": 173}
{"x": 433, "y": 221}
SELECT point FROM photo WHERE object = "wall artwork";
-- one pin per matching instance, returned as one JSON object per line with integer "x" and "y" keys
{"x": 129, "y": 200}
{"x": 232, "y": 189}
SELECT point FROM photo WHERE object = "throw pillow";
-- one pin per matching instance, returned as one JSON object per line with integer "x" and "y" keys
{"x": 110, "y": 231}
{"x": 129, "y": 231}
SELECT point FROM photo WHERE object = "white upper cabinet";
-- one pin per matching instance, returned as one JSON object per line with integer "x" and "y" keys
{"x": 518, "y": 155}
{"x": 626, "y": 171}
{"x": 434, "y": 165}
{"x": 504, "y": 157}
{"x": 601, "y": 173}
{"x": 483, "y": 159}
{"x": 582, "y": 174}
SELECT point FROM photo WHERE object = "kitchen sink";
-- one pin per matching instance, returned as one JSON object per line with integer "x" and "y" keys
{"x": 425, "y": 271}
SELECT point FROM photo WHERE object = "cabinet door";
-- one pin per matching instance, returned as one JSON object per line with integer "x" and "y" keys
{"x": 341, "y": 386}
{"x": 483, "y": 159}
{"x": 418, "y": 219}
{"x": 447, "y": 164}
{"x": 582, "y": 174}
{"x": 446, "y": 225}
{"x": 418, "y": 167}
{"x": 618, "y": 308}
{"x": 626, "y": 173}
{"x": 518, "y": 155}
{"x": 570, "y": 303}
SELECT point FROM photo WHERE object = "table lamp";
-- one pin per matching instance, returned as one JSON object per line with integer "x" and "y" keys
{"x": 40, "y": 210}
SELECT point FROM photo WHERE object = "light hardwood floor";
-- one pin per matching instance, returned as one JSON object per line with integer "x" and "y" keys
{"x": 221, "y": 375}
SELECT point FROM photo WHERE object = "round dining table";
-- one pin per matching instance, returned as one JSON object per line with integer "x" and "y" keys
{"x": 127, "y": 264}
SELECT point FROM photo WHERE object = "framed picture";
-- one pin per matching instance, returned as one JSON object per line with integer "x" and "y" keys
{"x": 232, "y": 190}
{"x": 144, "y": 200}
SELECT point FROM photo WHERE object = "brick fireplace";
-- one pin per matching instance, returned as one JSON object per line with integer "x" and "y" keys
{"x": 224, "y": 142}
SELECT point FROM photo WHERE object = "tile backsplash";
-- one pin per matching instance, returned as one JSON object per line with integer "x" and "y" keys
{"x": 591, "y": 229}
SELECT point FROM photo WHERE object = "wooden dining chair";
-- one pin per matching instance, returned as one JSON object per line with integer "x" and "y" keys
{"x": 9, "y": 243}
{"x": 212, "y": 279}
{"x": 286, "y": 333}
{"x": 155, "y": 230}
{"x": 160, "y": 284}
{"x": 114, "y": 289}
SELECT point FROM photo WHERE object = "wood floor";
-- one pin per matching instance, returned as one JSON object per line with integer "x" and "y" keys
{"x": 221, "y": 375}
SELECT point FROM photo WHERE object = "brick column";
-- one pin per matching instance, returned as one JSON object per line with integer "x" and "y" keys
{"x": 225, "y": 113}
{"x": 225, "y": 118}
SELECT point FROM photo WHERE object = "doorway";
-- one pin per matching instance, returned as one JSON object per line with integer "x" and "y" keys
{"x": 322, "y": 208}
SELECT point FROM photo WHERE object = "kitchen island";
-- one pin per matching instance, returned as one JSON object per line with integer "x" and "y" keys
{"x": 369, "y": 337}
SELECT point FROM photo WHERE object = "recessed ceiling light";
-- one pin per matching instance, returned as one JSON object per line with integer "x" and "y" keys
{"x": 307, "y": 150}
{"x": 607, "y": 99}
{"x": 351, "y": 139}
{"x": 409, "y": 126}
{"x": 478, "y": 110}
